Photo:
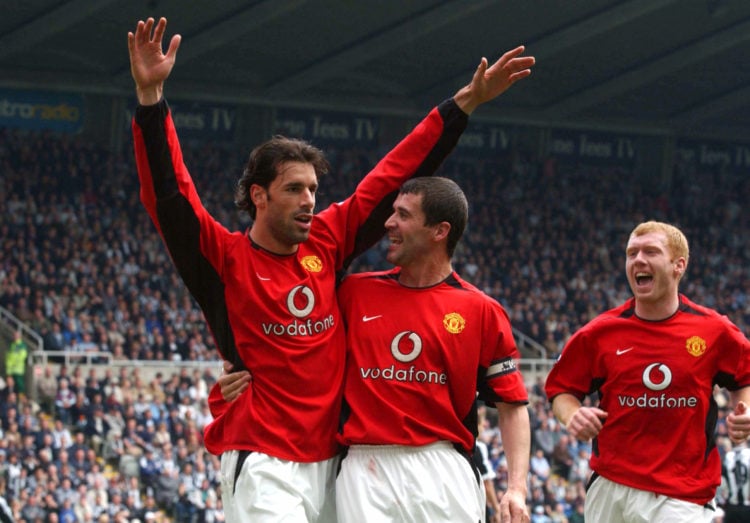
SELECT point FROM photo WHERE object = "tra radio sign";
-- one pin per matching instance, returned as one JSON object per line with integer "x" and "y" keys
{"x": 41, "y": 110}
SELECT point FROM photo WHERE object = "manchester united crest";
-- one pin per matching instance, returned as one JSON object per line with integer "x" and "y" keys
{"x": 312, "y": 263}
{"x": 696, "y": 345}
{"x": 454, "y": 322}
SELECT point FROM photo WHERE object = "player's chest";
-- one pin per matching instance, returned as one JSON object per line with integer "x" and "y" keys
{"x": 662, "y": 361}
{"x": 399, "y": 329}
{"x": 295, "y": 285}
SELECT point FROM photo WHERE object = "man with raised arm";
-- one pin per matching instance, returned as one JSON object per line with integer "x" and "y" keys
{"x": 268, "y": 294}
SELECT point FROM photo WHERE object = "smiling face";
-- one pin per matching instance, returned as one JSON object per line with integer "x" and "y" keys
{"x": 407, "y": 232}
{"x": 654, "y": 273}
{"x": 285, "y": 209}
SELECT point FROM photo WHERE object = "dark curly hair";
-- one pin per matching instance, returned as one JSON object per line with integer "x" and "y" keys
{"x": 262, "y": 166}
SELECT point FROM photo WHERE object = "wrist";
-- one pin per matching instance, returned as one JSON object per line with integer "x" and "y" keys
{"x": 566, "y": 414}
{"x": 518, "y": 489}
{"x": 465, "y": 100}
{"x": 149, "y": 95}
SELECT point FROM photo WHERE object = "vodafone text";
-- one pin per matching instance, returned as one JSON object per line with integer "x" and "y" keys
{"x": 412, "y": 374}
{"x": 658, "y": 401}
{"x": 299, "y": 328}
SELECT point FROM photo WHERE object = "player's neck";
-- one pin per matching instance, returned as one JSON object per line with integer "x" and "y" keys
{"x": 425, "y": 274}
{"x": 658, "y": 310}
{"x": 263, "y": 238}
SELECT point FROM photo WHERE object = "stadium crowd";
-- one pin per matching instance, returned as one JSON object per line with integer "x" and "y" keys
{"x": 83, "y": 266}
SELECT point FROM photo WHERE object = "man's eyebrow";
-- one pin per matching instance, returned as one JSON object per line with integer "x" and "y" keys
{"x": 298, "y": 183}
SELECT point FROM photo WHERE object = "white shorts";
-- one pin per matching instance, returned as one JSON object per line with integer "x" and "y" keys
{"x": 273, "y": 490}
{"x": 610, "y": 502}
{"x": 389, "y": 483}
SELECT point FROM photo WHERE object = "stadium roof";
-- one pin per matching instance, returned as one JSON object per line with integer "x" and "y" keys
{"x": 656, "y": 66}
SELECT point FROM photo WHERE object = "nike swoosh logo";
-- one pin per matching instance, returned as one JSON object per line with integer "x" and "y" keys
{"x": 262, "y": 278}
{"x": 370, "y": 318}
{"x": 623, "y": 351}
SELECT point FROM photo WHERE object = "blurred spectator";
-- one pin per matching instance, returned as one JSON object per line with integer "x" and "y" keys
{"x": 64, "y": 400}
{"x": 6, "y": 512}
{"x": 15, "y": 361}
{"x": 97, "y": 428}
{"x": 62, "y": 438}
{"x": 185, "y": 507}
{"x": 580, "y": 470}
{"x": 150, "y": 468}
{"x": 562, "y": 460}
{"x": 543, "y": 438}
{"x": 557, "y": 514}
{"x": 32, "y": 509}
{"x": 167, "y": 484}
{"x": 538, "y": 515}
{"x": 539, "y": 465}
{"x": 577, "y": 514}
{"x": 46, "y": 385}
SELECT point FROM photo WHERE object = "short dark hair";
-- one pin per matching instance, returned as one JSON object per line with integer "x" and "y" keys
{"x": 442, "y": 201}
{"x": 262, "y": 166}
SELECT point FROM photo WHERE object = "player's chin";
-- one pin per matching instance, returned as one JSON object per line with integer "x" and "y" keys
{"x": 300, "y": 236}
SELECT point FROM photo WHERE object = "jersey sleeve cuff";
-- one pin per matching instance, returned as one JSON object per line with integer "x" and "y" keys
{"x": 147, "y": 113}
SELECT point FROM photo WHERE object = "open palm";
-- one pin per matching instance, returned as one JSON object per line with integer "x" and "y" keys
{"x": 149, "y": 65}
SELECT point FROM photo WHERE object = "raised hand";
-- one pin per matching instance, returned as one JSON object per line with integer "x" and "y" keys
{"x": 489, "y": 82}
{"x": 149, "y": 65}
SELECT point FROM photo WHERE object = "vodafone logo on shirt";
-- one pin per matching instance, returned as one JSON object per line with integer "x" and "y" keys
{"x": 665, "y": 381}
{"x": 300, "y": 302}
{"x": 657, "y": 377}
{"x": 411, "y": 355}
{"x": 310, "y": 298}
{"x": 405, "y": 347}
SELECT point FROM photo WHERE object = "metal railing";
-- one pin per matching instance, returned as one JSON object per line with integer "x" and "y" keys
{"x": 12, "y": 324}
{"x": 40, "y": 358}
{"x": 526, "y": 344}
{"x": 531, "y": 368}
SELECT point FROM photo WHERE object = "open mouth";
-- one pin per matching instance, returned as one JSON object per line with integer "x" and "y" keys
{"x": 642, "y": 278}
{"x": 304, "y": 219}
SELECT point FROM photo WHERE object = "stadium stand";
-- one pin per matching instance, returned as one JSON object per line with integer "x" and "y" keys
{"x": 110, "y": 427}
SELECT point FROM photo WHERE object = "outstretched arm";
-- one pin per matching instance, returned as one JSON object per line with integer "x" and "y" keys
{"x": 489, "y": 82}
{"x": 149, "y": 65}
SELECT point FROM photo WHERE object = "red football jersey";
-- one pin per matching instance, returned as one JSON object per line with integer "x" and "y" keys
{"x": 277, "y": 315}
{"x": 416, "y": 358}
{"x": 656, "y": 379}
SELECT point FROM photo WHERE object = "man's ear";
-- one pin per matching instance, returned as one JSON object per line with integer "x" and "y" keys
{"x": 680, "y": 266}
{"x": 441, "y": 231}
{"x": 258, "y": 196}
